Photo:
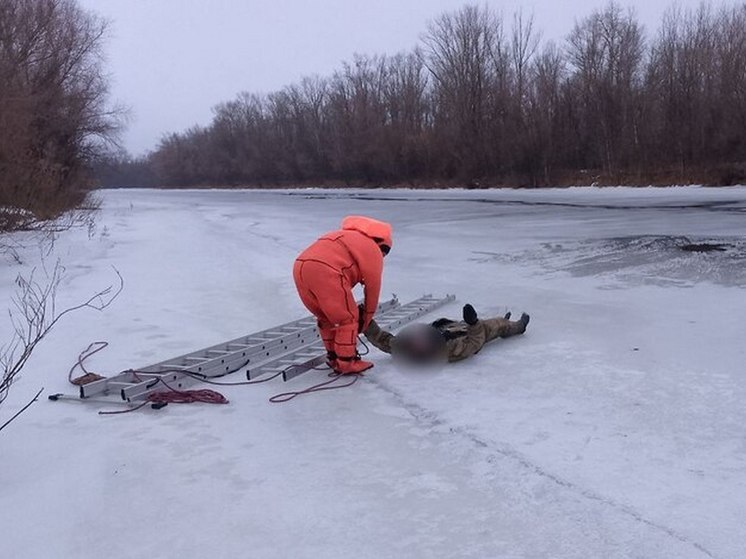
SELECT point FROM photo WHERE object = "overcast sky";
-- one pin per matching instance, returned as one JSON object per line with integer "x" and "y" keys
{"x": 171, "y": 61}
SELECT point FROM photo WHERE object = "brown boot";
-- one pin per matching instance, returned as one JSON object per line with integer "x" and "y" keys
{"x": 352, "y": 365}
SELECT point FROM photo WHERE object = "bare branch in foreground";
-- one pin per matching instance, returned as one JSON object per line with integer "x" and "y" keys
{"x": 23, "y": 409}
{"x": 35, "y": 314}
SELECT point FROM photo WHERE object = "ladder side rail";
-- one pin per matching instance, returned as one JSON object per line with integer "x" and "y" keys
{"x": 302, "y": 366}
{"x": 152, "y": 384}
{"x": 102, "y": 386}
{"x": 315, "y": 352}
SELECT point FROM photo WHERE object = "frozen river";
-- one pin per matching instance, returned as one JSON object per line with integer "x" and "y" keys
{"x": 615, "y": 428}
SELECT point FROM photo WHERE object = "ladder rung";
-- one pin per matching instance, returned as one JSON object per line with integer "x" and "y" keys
{"x": 119, "y": 385}
{"x": 167, "y": 367}
{"x": 269, "y": 370}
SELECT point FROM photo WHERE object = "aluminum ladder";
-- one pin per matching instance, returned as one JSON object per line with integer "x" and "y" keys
{"x": 289, "y": 349}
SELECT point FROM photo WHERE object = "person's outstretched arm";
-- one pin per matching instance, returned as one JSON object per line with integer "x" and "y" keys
{"x": 466, "y": 346}
{"x": 380, "y": 338}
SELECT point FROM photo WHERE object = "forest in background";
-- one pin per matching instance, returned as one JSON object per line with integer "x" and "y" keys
{"x": 484, "y": 102}
{"x": 481, "y": 101}
{"x": 55, "y": 120}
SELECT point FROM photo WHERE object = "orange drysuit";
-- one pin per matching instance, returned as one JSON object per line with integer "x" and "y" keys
{"x": 326, "y": 272}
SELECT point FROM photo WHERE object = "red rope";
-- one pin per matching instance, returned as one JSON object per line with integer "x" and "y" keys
{"x": 87, "y": 376}
{"x": 326, "y": 385}
{"x": 173, "y": 396}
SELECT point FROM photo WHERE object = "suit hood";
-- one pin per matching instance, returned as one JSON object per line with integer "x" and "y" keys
{"x": 379, "y": 231}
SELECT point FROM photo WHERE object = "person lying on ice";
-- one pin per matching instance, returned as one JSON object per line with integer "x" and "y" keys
{"x": 444, "y": 339}
{"x": 325, "y": 274}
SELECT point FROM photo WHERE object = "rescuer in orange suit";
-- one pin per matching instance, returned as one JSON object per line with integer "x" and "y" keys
{"x": 325, "y": 274}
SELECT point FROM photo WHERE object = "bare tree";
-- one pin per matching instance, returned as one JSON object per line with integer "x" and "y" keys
{"x": 544, "y": 120}
{"x": 606, "y": 50}
{"x": 730, "y": 52}
{"x": 406, "y": 99}
{"x": 34, "y": 315}
{"x": 465, "y": 53}
{"x": 520, "y": 153}
{"x": 54, "y": 115}
{"x": 524, "y": 43}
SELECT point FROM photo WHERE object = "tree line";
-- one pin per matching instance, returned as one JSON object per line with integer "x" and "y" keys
{"x": 54, "y": 119}
{"x": 484, "y": 101}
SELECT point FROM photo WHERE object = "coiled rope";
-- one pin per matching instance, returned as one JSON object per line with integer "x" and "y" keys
{"x": 87, "y": 376}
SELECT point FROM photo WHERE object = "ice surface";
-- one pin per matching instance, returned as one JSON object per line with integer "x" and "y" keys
{"x": 614, "y": 428}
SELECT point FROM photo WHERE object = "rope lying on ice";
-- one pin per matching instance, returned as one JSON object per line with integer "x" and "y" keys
{"x": 326, "y": 385}
{"x": 174, "y": 396}
{"x": 87, "y": 376}
{"x": 334, "y": 376}
{"x": 287, "y": 396}
{"x": 205, "y": 395}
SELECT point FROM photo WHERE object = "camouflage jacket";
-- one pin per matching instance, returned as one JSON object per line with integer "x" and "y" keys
{"x": 462, "y": 340}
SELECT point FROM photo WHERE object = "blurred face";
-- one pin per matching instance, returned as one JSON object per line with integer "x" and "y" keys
{"x": 418, "y": 345}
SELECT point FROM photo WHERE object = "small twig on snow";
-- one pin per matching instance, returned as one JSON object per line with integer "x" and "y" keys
{"x": 23, "y": 409}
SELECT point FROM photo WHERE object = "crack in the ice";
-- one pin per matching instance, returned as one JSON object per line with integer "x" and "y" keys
{"x": 718, "y": 205}
{"x": 431, "y": 418}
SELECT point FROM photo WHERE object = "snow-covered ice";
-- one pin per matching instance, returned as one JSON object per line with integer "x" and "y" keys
{"x": 615, "y": 428}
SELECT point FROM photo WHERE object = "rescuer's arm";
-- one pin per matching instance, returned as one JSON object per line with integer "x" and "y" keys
{"x": 371, "y": 270}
